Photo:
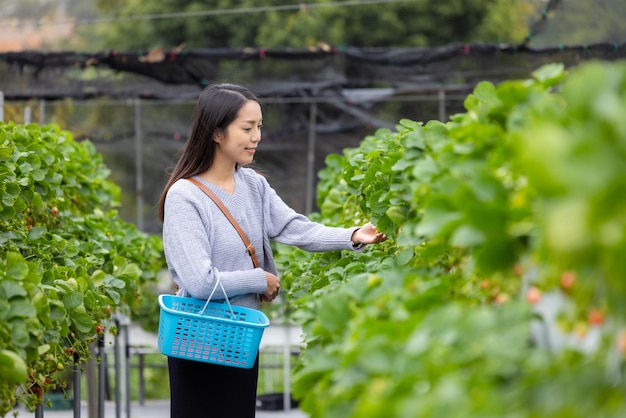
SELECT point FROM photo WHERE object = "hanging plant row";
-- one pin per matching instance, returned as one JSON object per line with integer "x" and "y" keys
{"x": 67, "y": 261}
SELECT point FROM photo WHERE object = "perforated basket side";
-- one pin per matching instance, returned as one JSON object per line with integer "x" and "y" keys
{"x": 209, "y": 338}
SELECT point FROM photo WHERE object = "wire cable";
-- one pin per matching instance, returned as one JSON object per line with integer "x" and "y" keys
{"x": 220, "y": 12}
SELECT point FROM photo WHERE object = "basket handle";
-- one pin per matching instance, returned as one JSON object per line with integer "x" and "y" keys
{"x": 219, "y": 282}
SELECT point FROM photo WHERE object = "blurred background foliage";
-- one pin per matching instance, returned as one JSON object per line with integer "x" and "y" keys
{"x": 114, "y": 24}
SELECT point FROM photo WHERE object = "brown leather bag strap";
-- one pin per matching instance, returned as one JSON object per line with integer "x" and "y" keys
{"x": 218, "y": 202}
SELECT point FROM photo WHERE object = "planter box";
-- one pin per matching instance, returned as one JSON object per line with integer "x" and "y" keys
{"x": 58, "y": 401}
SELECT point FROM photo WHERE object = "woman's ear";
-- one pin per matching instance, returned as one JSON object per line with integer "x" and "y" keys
{"x": 218, "y": 135}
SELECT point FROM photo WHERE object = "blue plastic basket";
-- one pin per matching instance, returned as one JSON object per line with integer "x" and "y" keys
{"x": 210, "y": 332}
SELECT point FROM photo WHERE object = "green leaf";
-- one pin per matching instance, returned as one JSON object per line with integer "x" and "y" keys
{"x": 43, "y": 349}
{"x": 113, "y": 281}
{"x": 8, "y": 236}
{"x": 467, "y": 236}
{"x": 21, "y": 308}
{"x": 82, "y": 322}
{"x": 36, "y": 233}
{"x": 405, "y": 256}
{"x": 424, "y": 169}
{"x": 17, "y": 268}
{"x": 484, "y": 98}
{"x": 130, "y": 271}
{"x": 414, "y": 139}
{"x": 12, "y": 367}
{"x": 72, "y": 300}
{"x": 4, "y": 311}
{"x": 98, "y": 277}
{"x": 12, "y": 188}
{"x": 12, "y": 289}
{"x": 7, "y": 200}
{"x": 19, "y": 334}
{"x": 38, "y": 174}
{"x": 115, "y": 296}
{"x": 437, "y": 220}
{"x": 396, "y": 214}
{"x": 5, "y": 153}
{"x": 57, "y": 313}
{"x": 550, "y": 74}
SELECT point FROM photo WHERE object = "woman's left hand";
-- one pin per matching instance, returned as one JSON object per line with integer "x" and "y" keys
{"x": 367, "y": 234}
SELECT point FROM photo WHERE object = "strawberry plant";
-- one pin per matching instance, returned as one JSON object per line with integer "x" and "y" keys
{"x": 66, "y": 258}
{"x": 500, "y": 291}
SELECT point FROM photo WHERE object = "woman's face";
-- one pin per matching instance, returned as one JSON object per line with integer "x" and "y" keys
{"x": 237, "y": 143}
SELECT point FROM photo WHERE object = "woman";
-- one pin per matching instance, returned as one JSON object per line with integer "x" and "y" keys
{"x": 201, "y": 245}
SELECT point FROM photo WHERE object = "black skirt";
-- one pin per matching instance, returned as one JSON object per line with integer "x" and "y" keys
{"x": 205, "y": 390}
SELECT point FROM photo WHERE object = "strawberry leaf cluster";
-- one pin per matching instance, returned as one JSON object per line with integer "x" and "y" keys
{"x": 67, "y": 260}
{"x": 500, "y": 291}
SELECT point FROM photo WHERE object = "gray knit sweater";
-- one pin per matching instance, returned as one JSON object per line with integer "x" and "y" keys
{"x": 201, "y": 245}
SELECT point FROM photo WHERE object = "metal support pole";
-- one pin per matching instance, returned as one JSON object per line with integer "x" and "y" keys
{"x": 442, "y": 105}
{"x": 310, "y": 172}
{"x": 76, "y": 400}
{"x": 139, "y": 164}
{"x": 1, "y": 106}
{"x": 39, "y": 411}
{"x": 127, "y": 370}
{"x": 42, "y": 111}
{"x": 287, "y": 369}
{"x": 28, "y": 113}
{"x": 101, "y": 376}
{"x": 142, "y": 383}
{"x": 118, "y": 374}
{"x": 92, "y": 383}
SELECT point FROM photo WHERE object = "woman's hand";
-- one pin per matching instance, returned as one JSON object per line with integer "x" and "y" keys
{"x": 273, "y": 287}
{"x": 367, "y": 235}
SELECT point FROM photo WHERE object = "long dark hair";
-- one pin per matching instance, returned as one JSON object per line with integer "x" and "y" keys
{"x": 216, "y": 108}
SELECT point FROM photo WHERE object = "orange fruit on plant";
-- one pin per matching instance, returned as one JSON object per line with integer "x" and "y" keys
{"x": 595, "y": 317}
{"x": 621, "y": 343}
{"x": 533, "y": 295}
{"x": 568, "y": 280}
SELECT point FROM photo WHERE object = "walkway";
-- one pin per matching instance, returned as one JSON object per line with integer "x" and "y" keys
{"x": 275, "y": 336}
{"x": 151, "y": 409}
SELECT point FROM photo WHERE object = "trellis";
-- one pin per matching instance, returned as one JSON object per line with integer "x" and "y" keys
{"x": 322, "y": 91}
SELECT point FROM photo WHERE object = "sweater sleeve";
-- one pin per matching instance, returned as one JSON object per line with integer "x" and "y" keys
{"x": 187, "y": 249}
{"x": 286, "y": 226}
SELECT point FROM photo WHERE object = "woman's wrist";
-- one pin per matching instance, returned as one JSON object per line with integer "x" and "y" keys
{"x": 356, "y": 245}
